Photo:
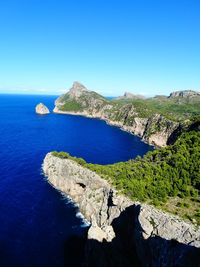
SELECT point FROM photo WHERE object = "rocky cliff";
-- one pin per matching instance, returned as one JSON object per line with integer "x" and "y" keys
{"x": 154, "y": 120}
{"x": 187, "y": 94}
{"x": 123, "y": 233}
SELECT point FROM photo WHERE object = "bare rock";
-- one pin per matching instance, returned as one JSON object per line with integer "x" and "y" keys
{"x": 41, "y": 109}
{"x": 157, "y": 238}
{"x": 184, "y": 93}
{"x": 77, "y": 89}
{"x": 128, "y": 95}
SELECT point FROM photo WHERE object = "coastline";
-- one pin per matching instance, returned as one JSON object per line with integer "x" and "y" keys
{"x": 108, "y": 122}
{"x": 68, "y": 199}
{"x": 112, "y": 215}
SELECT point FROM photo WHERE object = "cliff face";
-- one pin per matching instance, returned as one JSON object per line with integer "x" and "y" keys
{"x": 123, "y": 233}
{"x": 131, "y": 113}
{"x": 189, "y": 95}
{"x": 80, "y": 99}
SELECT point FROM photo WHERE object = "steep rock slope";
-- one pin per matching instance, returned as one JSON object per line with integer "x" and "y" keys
{"x": 122, "y": 232}
{"x": 154, "y": 120}
{"x": 187, "y": 96}
{"x": 79, "y": 98}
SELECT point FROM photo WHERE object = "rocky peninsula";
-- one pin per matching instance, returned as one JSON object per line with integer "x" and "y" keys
{"x": 156, "y": 120}
{"x": 123, "y": 232}
{"x": 41, "y": 109}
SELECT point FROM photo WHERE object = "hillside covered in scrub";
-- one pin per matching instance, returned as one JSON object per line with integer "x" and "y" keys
{"x": 156, "y": 120}
{"x": 168, "y": 177}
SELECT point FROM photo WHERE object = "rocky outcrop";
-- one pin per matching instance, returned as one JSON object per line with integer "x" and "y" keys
{"x": 128, "y": 95}
{"x": 77, "y": 89}
{"x": 80, "y": 99}
{"x": 158, "y": 130}
{"x": 185, "y": 93}
{"x": 154, "y": 129}
{"x": 41, "y": 109}
{"x": 187, "y": 97}
{"x": 122, "y": 232}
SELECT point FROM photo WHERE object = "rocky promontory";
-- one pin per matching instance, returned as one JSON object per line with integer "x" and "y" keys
{"x": 123, "y": 232}
{"x": 41, "y": 109}
{"x": 156, "y": 120}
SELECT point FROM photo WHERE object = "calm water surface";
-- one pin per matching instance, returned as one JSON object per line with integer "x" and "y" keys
{"x": 35, "y": 221}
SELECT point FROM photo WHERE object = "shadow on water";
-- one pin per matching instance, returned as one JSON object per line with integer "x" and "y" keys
{"x": 129, "y": 248}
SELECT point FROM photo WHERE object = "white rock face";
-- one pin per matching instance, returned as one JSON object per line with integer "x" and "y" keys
{"x": 77, "y": 89}
{"x": 41, "y": 109}
{"x": 155, "y": 235}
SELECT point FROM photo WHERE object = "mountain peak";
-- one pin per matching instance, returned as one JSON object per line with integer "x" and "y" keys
{"x": 78, "y": 86}
{"x": 77, "y": 89}
{"x": 128, "y": 95}
{"x": 184, "y": 93}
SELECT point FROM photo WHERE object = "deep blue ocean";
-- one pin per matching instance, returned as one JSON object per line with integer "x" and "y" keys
{"x": 36, "y": 222}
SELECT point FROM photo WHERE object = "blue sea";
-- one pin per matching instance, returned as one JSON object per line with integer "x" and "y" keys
{"x": 36, "y": 222}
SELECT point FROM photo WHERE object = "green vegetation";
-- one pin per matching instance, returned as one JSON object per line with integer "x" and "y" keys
{"x": 160, "y": 176}
{"x": 175, "y": 109}
{"x": 71, "y": 105}
{"x": 65, "y": 155}
{"x": 169, "y": 108}
{"x": 62, "y": 155}
{"x": 85, "y": 101}
{"x": 171, "y": 171}
{"x": 168, "y": 177}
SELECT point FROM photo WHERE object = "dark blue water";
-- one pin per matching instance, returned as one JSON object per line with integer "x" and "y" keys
{"x": 35, "y": 221}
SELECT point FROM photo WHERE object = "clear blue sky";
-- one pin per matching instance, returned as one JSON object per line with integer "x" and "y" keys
{"x": 142, "y": 46}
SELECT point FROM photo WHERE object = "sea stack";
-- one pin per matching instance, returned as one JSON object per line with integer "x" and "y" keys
{"x": 41, "y": 109}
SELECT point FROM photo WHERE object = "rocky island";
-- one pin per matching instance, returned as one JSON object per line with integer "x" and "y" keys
{"x": 41, "y": 109}
{"x": 156, "y": 120}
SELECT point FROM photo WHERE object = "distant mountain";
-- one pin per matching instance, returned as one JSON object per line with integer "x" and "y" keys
{"x": 156, "y": 119}
{"x": 186, "y": 96}
{"x": 79, "y": 98}
{"x": 128, "y": 95}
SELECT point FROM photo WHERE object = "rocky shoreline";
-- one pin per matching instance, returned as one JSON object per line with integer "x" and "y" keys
{"x": 157, "y": 121}
{"x": 120, "y": 226}
{"x": 159, "y": 139}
